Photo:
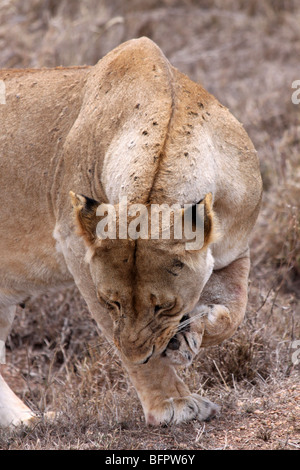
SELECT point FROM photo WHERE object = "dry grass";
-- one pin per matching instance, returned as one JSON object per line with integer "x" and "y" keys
{"x": 248, "y": 57}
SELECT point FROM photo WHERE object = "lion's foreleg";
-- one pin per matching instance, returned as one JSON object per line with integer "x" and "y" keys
{"x": 225, "y": 299}
{"x": 12, "y": 410}
{"x": 164, "y": 397}
{"x": 216, "y": 317}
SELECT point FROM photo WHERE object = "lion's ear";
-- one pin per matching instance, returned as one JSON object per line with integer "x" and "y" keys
{"x": 85, "y": 216}
{"x": 201, "y": 216}
{"x": 209, "y": 219}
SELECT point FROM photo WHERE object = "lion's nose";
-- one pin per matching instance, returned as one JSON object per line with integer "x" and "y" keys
{"x": 160, "y": 307}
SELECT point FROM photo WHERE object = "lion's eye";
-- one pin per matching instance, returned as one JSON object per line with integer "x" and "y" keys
{"x": 109, "y": 304}
{"x": 164, "y": 307}
{"x": 113, "y": 305}
{"x": 175, "y": 268}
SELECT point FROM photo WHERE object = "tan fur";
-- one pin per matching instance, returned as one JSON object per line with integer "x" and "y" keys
{"x": 132, "y": 126}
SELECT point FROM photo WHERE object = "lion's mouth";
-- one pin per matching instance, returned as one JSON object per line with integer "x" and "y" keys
{"x": 149, "y": 357}
{"x": 133, "y": 355}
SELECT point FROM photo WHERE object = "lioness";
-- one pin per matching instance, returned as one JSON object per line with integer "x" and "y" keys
{"x": 134, "y": 126}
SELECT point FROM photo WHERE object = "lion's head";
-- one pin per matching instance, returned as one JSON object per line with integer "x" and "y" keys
{"x": 146, "y": 285}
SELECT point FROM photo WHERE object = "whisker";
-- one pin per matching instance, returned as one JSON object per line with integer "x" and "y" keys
{"x": 189, "y": 320}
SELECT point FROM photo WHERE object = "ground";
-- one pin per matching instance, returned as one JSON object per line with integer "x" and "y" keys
{"x": 248, "y": 57}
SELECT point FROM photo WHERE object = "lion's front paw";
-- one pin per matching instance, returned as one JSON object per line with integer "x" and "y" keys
{"x": 218, "y": 325}
{"x": 185, "y": 345}
{"x": 218, "y": 317}
{"x": 181, "y": 410}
